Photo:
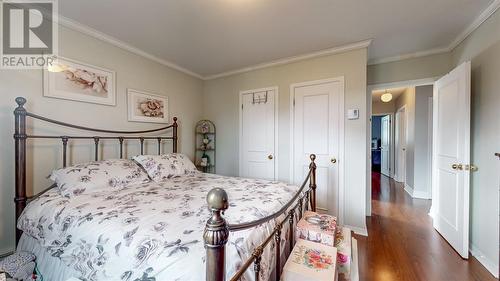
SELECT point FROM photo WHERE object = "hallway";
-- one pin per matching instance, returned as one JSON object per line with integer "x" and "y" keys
{"x": 402, "y": 244}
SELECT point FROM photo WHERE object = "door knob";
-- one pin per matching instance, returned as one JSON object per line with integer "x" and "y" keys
{"x": 333, "y": 160}
{"x": 270, "y": 157}
{"x": 471, "y": 168}
{"x": 457, "y": 167}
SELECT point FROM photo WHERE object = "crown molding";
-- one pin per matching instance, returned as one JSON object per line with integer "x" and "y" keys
{"x": 71, "y": 24}
{"x": 409, "y": 56}
{"x": 487, "y": 13}
{"x": 331, "y": 51}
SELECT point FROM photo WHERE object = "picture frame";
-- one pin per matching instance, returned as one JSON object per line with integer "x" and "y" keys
{"x": 147, "y": 107}
{"x": 77, "y": 81}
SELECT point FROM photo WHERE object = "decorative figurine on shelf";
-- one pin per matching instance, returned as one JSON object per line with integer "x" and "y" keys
{"x": 205, "y": 127}
{"x": 205, "y": 160}
{"x": 205, "y": 142}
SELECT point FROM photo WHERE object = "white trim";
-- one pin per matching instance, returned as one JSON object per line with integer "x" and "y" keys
{"x": 490, "y": 10}
{"x": 414, "y": 55}
{"x": 490, "y": 265}
{"x": 409, "y": 189}
{"x": 341, "y": 158}
{"x": 406, "y": 83}
{"x": 418, "y": 194}
{"x": 331, "y": 51}
{"x": 276, "y": 134}
{"x": 485, "y": 14}
{"x": 358, "y": 230}
{"x": 76, "y": 26}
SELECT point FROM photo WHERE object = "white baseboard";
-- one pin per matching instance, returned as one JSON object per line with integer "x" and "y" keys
{"x": 358, "y": 230}
{"x": 484, "y": 260}
{"x": 421, "y": 194}
{"x": 6, "y": 251}
{"x": 409, "y": 190}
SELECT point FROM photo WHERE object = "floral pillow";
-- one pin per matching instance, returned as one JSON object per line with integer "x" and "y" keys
{"x": 116, "y": 173}
{"x": 165, "y": 166}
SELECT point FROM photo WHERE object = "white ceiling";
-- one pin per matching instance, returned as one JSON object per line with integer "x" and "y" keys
{"x": 214, "y": 36}
{"x": 396, "y": 92}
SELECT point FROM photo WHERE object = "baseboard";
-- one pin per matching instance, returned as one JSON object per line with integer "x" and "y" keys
{"x": 421, "y": 194}
{"x": 6, "y": 252}
{"x": 409, "y": 190}
{"x": 491, "y": 266}
{"x": 358, "y": 230}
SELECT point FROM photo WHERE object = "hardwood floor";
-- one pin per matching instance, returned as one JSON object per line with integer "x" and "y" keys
{"x": 402, "y": 244}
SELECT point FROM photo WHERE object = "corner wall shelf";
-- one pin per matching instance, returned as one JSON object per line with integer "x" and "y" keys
{"x": 204, "y": 150}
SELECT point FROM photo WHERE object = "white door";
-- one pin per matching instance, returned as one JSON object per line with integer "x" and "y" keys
{"x": 385, "y": 145}
{"x": 257, "y": 135}
{"x": 451, "y": 158}
{"x": 317, "y": 129}
{"x": 401, "y": 145}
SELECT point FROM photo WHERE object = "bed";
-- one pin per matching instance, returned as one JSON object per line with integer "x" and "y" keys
{"x": 191, "y": 227}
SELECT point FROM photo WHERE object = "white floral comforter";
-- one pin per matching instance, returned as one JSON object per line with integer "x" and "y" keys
{"x": 152, "y": 231}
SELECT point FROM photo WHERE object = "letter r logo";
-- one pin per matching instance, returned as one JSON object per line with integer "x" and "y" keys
{"x": 28, "y": 27}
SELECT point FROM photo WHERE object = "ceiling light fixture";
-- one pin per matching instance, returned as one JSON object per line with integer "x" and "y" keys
{"x": 387, "y": 97}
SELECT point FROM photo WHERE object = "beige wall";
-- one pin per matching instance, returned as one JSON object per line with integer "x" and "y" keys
{"x": 422, "y": 145}
{"x": 482, "y": 47}
{"x": 410, "y": 69}
{"x": 379, "y": 107}
{"x": 221, "y": 98}
{"x": 132, "y": 71}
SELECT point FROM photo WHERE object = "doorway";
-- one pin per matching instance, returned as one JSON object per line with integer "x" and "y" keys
{"x": 406, "y": 106}
{"x": 258, "y": 133}
{"x": 381, "y": 144}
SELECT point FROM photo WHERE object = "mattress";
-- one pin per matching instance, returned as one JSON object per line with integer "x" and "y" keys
{"x": 149, "y": 231}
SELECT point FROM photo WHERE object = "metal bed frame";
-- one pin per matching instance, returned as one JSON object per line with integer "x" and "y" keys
{"x": 216, "y": 231}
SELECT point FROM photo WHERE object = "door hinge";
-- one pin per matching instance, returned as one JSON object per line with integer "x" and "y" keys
{"x": 293, "y": 102}
{"x": 241, "y": 106}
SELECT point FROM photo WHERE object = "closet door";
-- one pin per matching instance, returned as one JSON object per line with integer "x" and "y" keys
{"x": 257, "y": 135}
{"x": 316, "y": 129}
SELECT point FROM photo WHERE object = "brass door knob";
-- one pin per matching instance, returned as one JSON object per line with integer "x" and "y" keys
{"x": 457, "y": 167}
{"x": 333, "y": 160}
{"x": 471, "y": 168}
{"x": 270, "y": 157}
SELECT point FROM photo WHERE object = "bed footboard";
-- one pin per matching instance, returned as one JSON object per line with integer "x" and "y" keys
{"x": 217, "y": 229}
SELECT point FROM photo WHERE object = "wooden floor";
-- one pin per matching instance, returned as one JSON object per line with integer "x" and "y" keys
{"x": 402, "y": 244}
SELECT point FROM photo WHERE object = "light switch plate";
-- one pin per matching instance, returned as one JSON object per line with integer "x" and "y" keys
{"x": 353, "y": 114}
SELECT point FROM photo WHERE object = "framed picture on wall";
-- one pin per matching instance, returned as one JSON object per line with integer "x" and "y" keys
{"x": 147, "y": 107}
{"x": 72, "y": 80}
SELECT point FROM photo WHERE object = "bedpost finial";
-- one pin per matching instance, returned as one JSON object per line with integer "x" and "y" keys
{"x": 217, "y": 199}
{"x": 175, "y": 120}
{"x": 312, "y": 157}
{"x": 20, "y": 101}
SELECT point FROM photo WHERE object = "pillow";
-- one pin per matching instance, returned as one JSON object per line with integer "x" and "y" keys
{"x": 116, "y": 173}
{"x": 165, "y": 166}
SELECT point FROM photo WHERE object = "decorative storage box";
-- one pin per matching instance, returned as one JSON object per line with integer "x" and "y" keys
{"x": 344, "y": 251}
{"x": 317, "y": 228}
{"x": 310, "y": 261}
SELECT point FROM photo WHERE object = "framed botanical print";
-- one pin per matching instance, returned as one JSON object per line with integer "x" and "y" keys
{"x": 147, "y": 107}
{"x": 72, "y": 80}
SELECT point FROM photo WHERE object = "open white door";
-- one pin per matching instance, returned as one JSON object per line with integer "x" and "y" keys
{"x": 257, "y": 134}
{"x": 451, "y": 158}
{"x": 385, "y": 144}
